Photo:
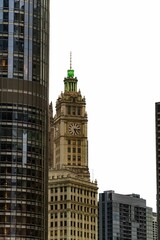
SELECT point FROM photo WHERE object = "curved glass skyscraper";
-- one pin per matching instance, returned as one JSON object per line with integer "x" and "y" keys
{"x": 24, "y": 69}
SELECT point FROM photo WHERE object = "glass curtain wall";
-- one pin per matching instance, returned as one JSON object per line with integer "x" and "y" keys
{"x": 24, "y": 68}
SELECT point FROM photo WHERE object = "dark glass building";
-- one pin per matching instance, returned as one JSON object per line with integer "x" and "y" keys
{"x": 157, "y": 107}
{"x": 24, "y": 68}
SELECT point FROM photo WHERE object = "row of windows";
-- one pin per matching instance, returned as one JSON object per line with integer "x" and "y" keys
{"x": 20, "y": 69}
{"x": 76, "y": 208}
{"x": 20, "y": 171}
{"x": 87, "y": 218}
{"x": 18, "y": 64}
{"x": 61, "y": 206}
{"x": 73, "y": 164}
{"x": 74, "y": 150}
{"x": 31, "y": 184}
{"x": 75, "y": 216}
{"x": 17, "y": 34}
{"x": 16, "y": 16}
{"x": 73, "y": 189}
{"x": 15, "y": 147}
{"x": 18, "y": 29}
{"x": 73, "y": 142}
{"x": 73, "y": 224}
{"x": 73, "y": 233}
{"x": 11, "y": 231}
{"x": 72, "y": 198}
{"x": 19, "y": 207}
{"x": 19, "y": 195}
{"x": 19, "y": 132}
{"x": 72, "y": 110}
{"x": 17, "y": 44}
{"x": 19, "y": 4}
{"x": 9, "y": 115}
{"x": 8, "y": 158}
{"x": 74, "y": 158}
{"x": 20, "y": 107}
{"x": 20, "y": 220}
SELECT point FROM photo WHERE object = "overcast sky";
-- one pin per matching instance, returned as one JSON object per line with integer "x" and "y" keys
{"x": 115, "y": 48}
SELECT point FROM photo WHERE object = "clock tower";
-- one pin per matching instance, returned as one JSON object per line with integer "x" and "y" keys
{"x": 69, "y": 126}
{"x": 72, "y": 206}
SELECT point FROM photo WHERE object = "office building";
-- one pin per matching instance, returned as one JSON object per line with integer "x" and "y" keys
{"x": 157, "y": 116}
{"x": 149, "y": 223}
{"x": 124, "y": 217}
{"x": 155, "y": 235}
{"x": 24, "y": 67}
{"x": 73, "y": 213}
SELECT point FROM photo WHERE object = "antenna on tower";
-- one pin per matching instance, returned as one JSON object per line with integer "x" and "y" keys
{"x": 70, "y": 60}
{"x": 70, "y": 71}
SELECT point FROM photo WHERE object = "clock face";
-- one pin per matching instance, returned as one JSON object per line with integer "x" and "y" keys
{"x": 74, "y": 128}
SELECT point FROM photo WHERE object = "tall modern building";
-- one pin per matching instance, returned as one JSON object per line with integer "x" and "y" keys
{"x": 124, "y": 217}
{"x": 73, "y": 208}
{"x": 157, "y": 111}
{"x": 24, "y": 67}
{"x": 155, "y": 235}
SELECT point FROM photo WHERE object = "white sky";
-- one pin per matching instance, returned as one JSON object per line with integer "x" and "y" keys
{"x": 115, "y": 48}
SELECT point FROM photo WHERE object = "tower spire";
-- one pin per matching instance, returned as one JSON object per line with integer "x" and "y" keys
{"x": 70, "y": 83}
{"x": 70, "y": 60}
{"x": 70, "y": 72}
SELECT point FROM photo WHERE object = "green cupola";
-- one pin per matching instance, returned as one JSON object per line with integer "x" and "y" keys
{"x": 70, "y": 82}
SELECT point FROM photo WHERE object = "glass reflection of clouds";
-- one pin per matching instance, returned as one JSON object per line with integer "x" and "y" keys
{"x": 23, "y": 39}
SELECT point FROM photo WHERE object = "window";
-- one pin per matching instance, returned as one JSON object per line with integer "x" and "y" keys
{"x": 74, "y": 111}
{"x": 69, "y": 110}
{"x": 3, "y": 64}
{"x": 79, "y": 111}
{"x": 69, "y": 149}
{"x": 5, "y": 3}
{"x": 51, "y": 225}
{"x": 5, "y": 16}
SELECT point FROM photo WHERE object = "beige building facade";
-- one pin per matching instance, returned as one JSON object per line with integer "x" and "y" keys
{"x": 73, "y": 206}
